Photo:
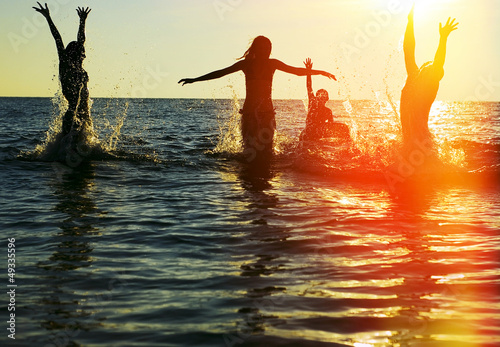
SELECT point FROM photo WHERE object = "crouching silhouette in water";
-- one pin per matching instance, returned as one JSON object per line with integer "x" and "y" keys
{"x": 319, "y": 122}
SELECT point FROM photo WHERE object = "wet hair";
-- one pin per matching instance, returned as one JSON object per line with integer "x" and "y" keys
{"x": 74, "y": 50}
{"x": 261, "y": 47}
{"x": 322, "y": 94}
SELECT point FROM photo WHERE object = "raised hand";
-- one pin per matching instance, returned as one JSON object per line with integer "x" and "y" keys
{"x": 44, "y": 11}
{"x": 83, "y": 12}
{"x": 186, "y": 81}
{"x": 308, "y": 63}
{"x": 450, "y": 26}
{"x": 329, "y": 75}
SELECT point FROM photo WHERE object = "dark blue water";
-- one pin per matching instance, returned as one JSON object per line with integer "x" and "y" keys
{"x": 167, "y": 238}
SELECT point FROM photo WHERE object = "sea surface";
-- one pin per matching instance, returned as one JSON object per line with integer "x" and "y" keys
{"x": 170, "y": 236}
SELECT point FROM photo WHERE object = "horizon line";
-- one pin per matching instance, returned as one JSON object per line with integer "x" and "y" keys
{"x": 212, "y": 98}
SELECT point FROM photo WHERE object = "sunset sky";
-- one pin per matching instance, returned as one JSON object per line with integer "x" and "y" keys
{"x": 142, "y": 48}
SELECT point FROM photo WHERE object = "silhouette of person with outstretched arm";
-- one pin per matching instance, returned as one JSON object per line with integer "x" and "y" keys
{"x": 73, "y": 77}
{"x": 422, "y": 84}
{"x": 258, "y": 115}
{"x": 319, "y": 121}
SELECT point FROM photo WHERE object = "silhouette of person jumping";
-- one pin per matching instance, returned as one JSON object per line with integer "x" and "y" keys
{"x": 258, "y": 116}
{"x": 319, "y": 122}
{"x": 422, "y": 84}
{"x": 73, "y": 77}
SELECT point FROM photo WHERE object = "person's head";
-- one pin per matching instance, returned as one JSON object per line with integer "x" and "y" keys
{"x": 322, "y": 96}
{"x": 260, "y": 48}
{"x": 75, "y": 52}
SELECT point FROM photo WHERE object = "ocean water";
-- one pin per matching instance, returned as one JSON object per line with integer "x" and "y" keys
{"x": 170, "y": 237}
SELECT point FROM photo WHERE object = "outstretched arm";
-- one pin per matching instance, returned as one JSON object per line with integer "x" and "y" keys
{"x": 409, "y": 46}
{"x": 300, "y": 71}
{"x": 55, "y": 33}
{"x": 444, "y": 32}
{"x": 215, "y": 74}
{"x": 82, "y": 13}
{"x": 308, "y": 63}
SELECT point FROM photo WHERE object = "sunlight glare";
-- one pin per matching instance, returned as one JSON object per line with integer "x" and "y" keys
{"x": 423, "y": 7}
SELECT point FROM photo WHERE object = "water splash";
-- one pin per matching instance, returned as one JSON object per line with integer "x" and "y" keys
{"x": 59, "y": 106}
{"x": 112, "y": 132}
{"x": 376, "y": 144}
{"x": 74, "y": 148}
{"x": 375, "y": 140}
{"x": 229, "y": 139}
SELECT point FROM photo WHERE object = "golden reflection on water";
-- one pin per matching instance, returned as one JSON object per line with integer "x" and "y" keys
{"x": 448, "y": 310}
{"x": 421, "y": 277}
{"x": 413, "y": 268}
{"x": 457, "y": 206}
{"x": 374, "y": 204}
{"x": 445, "y": 129}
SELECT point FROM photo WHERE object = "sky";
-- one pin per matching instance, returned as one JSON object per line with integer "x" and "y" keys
{"x": 143, "y": 48}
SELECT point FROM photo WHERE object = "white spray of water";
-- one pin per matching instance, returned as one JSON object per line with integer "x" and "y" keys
{"x": 229, "y": 139}
{"x": 56, "y": 147}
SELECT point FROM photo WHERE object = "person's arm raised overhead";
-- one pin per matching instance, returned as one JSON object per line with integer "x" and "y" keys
{"x": 409, "y": 45}
{"x": 308, "y": 63}
{"x": 55, "y": 33}
{"x": 214, "y": 74}
{"x": 444, "y": 32}
{"x": 82, "y": 13}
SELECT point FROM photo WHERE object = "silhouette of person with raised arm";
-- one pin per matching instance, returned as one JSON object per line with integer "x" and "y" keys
{"x": 258, "y": 115}
{"x": 73, "y": 77}
{"x": 421, "y": 86}
{"x": 319, "y": 121}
